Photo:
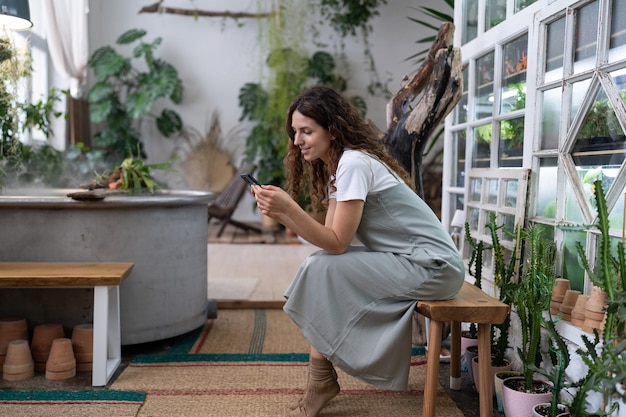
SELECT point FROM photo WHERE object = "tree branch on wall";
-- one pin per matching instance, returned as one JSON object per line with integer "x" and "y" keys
{"x": 411, "y": 125}
{"x": 159, "y": 8}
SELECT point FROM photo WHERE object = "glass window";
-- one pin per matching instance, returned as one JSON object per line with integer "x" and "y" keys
{"x": 618, "y": 29}
{"x": 579, "y": 90}
{"x": 483, "y": 98}
{"x": 495, "y": 13}
{"x": 460, "y": 110}
{"x": 599, "y": 142}
{"x": 476, "y": 189}
{"x": 572, "y": 267}
{"x": 514, "y": 75}
{"x": 458, "y": 177}
{"x": 470, "y": 20}
{"x": 511, "y": 189}
{"x": 511, "y": 142}
{"x": 554, "y": 50}
{"x": 572, "y": 209}
{"x": 482, "y": 146}
{"x": 492, "y": 191}
{"x": 585, "y": 41}
{"x": 546, "y": 190}
{"x": 551, "y": 118}
{"x": 522, "y": 4}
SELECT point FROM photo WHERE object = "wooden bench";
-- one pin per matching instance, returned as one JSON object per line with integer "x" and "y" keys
{"x": 105, "y": 279}
{"x": 471, "y": 305}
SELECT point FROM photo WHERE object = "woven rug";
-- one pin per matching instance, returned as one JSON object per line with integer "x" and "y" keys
{"x": 254, "y": 363}
{"x": 56, "y": 403}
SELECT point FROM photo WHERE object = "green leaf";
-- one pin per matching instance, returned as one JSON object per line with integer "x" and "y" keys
{"x": 252, "y": 99}
{"x": 99, "y": 92}
{"x": 321, "y": 65}
{"x": 130, "y": 36}
{"x": 100, "y": 110}
{"x": 169, "y": 122}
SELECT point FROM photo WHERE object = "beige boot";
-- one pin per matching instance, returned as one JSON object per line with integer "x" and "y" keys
{"x": 321, "y": 387}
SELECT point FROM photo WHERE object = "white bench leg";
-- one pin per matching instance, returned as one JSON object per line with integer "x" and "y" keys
{"x": 106, "y": 333}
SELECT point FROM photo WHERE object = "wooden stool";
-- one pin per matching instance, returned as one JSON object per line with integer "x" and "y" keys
{"x": 471, "y": 305}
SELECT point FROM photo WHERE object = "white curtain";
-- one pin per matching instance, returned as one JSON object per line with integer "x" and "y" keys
{"x": 66, "y": 31}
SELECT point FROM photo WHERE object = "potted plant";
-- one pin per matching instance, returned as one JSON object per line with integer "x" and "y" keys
{"x": 469, "y": 338}
{"x": 530, "y": 299}
{"x": 124, "y": 95}
{"x": 605, "y": 356}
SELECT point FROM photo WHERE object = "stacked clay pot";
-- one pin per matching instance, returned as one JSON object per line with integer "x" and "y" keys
{"x": 11, "y": 328}
{"x": 43, "y": 335}
{"x": 561, "y": 285}
{"x": 595, "y": 308}
{"x": 82, "y": 342}
{"x": 569, "y": 301}
{"x": 61, "y": 362}
{"x": 18, "y": 364}
{"x": 578, "y": 313}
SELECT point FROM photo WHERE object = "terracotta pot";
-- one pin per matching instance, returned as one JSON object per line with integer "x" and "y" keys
{"x": 82, "y": 342}
{"x": 43, "y": 335}
{"x": 11, "y": 328}
{"x": 492, "y": 376}
{"x": 569, "y": 301}
{"x": 498, "y": 379}
{"x": 561, "y": 285}
{"x": 520, "y": 403}
{"x": 61, "y": 362}
{"x": 597, "y": 300}
{"x": 555, "y": 307}
{"x": 19, "y": 363}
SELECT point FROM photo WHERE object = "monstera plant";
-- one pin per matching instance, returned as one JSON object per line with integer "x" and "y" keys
{"x": 123, "y": 95}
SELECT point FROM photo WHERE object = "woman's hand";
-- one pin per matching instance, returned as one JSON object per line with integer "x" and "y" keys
{"x": 273, "y": 201}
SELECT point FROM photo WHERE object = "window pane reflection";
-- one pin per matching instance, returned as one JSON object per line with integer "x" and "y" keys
{"x": 585, "y": 37}
{"x": 579, "y": 90}
{"x": 495, "y": 13}
{"x": 470, "y": 20}
{"x": 460, "y": 110}
{"x": 522, "y": 4}
{"x": 514, "y": 73}
{"x": 482, "y": 146}
{"x": 546, "y": 188}
{"x": 476, "y": 189}
{"x": 510, "y": 197}
{"x": 484, "y": 86}
{"x": 600, "y": 139}
{"x": 554, "y": 50}
{"x": 550, "y": 118}
{"x": 458, "y": 172}
{"x": 492, "y": 191}
{"x": 511, "y": 143}
{"x": 618, "y": 28}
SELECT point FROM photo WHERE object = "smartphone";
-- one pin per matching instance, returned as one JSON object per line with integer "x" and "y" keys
{"x": 250, "y": 179}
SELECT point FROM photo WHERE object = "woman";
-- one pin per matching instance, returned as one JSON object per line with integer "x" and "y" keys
{"x": 354, "y": 303}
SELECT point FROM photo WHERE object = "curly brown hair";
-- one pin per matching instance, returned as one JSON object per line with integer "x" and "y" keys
{"x": 343, "y": 121}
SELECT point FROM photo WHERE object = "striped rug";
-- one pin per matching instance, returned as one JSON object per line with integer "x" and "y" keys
{"x": 254, "y": 363}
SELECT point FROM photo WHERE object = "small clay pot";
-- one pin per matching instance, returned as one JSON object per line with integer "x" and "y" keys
{"x": 555, "y": 307}
{"x": 11, "y": 328}
{"x": 561, "y": 285}
{"x": 82, "y": 342}
{"x": 43, "y": 335}
{"x": 597, "y": 300}
{"x": 61, "y": 362}
{"x": 19, "y": 363}
{"x": 569, "y": 301}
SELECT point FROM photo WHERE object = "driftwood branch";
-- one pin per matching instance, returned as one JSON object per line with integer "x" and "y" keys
{"x": 410, "y": 125}
{"x": 158, "y": 8}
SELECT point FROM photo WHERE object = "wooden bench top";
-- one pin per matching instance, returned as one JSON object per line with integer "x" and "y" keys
{"x": 63, "y": 274}
{"x": 471, "y": 305}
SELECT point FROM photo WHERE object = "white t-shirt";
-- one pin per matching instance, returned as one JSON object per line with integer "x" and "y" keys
{"x": 359, "y": 174}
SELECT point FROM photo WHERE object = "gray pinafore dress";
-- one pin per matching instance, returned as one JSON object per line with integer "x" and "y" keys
{"x": 356, "y": 308}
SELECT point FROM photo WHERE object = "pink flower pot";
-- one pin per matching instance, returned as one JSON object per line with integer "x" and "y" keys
{"x": 520, "y": 403}
{"x": 494, "y": 371}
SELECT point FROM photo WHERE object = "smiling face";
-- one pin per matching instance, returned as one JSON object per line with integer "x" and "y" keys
{"x": 312, "y": 139}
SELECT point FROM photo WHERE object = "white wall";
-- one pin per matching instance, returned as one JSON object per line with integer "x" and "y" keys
{"x": 216, "y": 57}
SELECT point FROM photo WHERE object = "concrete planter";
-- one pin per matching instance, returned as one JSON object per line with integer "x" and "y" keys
{"x": 165, "y": 235}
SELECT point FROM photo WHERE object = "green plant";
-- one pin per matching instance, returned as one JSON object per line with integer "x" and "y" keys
{"x": 604, "y": 356}
{"x": 266, "y": 145}
{"x": 123, "y": 95}
{"x": 17, "y": 116}
{"x": 532, "y": 297}
{"x": 428, "y": 40}
{"x": 475, "y": 267}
